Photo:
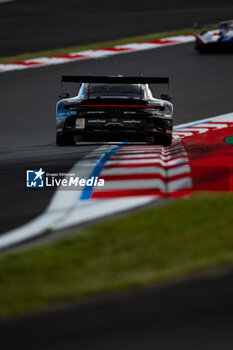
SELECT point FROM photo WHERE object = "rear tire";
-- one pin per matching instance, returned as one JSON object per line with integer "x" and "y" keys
{"x": 167, "y": 140}
{"x": 164, "y": 140}
{"x": 65, "y": 140}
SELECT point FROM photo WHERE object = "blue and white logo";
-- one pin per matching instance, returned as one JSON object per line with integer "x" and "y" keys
{"x": 35, "y": 178}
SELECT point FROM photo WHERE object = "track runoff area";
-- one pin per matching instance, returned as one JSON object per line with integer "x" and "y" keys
{"x": 134, "y": 175}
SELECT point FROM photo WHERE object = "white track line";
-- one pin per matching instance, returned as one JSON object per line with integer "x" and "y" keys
{"x": 132, "y": 170}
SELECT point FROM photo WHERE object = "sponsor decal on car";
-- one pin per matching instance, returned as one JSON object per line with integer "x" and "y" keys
{"x": 132, "y": 121}
{"x": 94, "y": 121}
{"x": 95, "y": 112}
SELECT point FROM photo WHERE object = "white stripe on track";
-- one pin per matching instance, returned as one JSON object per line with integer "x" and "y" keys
{"x": 180, "y": 184}
{"x": 147, "y": 157}
{"x": 156, "y": 170}
{"x": 158, "y": 160}
{"x": 195, "y": 129}
{"x": 182, "y": 133}
{"x": 133, "y": 185}
{"x": 134, "y": 170}
{"x": 217, "y": 126}
{"x": 184, "y": 169}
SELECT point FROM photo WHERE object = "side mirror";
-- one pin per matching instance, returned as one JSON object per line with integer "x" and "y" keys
{"x": 166, "y": 97}
{"x": 63, "y": 95}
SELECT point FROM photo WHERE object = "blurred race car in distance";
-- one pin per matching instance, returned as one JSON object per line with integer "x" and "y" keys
{"x": 213, "y": 41}
{"x": 114, "y": 109}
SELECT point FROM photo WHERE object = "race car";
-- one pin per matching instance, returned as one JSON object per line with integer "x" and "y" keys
{"x": 214, "y": 41}
{"x": 113, "y": 109}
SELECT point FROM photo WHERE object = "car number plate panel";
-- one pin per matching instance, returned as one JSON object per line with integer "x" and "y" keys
{"x": 80, "y": 123}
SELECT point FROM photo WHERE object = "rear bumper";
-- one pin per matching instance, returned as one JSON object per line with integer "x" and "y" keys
{"x": 115, "y": 131}
{"x": 111, "y": 136}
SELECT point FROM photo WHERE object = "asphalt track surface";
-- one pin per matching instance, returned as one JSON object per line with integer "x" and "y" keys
{"x": 201, "y": 87}
{"x": 196, "y": 314}
{"x": 34, "y": 25}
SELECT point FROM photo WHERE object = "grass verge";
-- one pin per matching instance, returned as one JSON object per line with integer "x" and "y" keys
{"x": 156, "y": 244}
{"x": 100, "y": 45}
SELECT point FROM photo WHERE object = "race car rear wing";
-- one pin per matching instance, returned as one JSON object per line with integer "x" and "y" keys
{"x": 114, "y": 80}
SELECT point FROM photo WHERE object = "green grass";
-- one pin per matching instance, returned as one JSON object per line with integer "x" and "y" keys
{"x": 175, "y": 240}
{"x": 100, "y": 45}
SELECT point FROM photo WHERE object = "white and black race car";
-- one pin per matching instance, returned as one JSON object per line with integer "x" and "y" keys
{"x": 114, "y": 109}
{"x": 215, "y": 41}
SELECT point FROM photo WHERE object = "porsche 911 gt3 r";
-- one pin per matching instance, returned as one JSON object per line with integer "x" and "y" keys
{"x": 114, "y": 109}
{"x": 220, "y": 40}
